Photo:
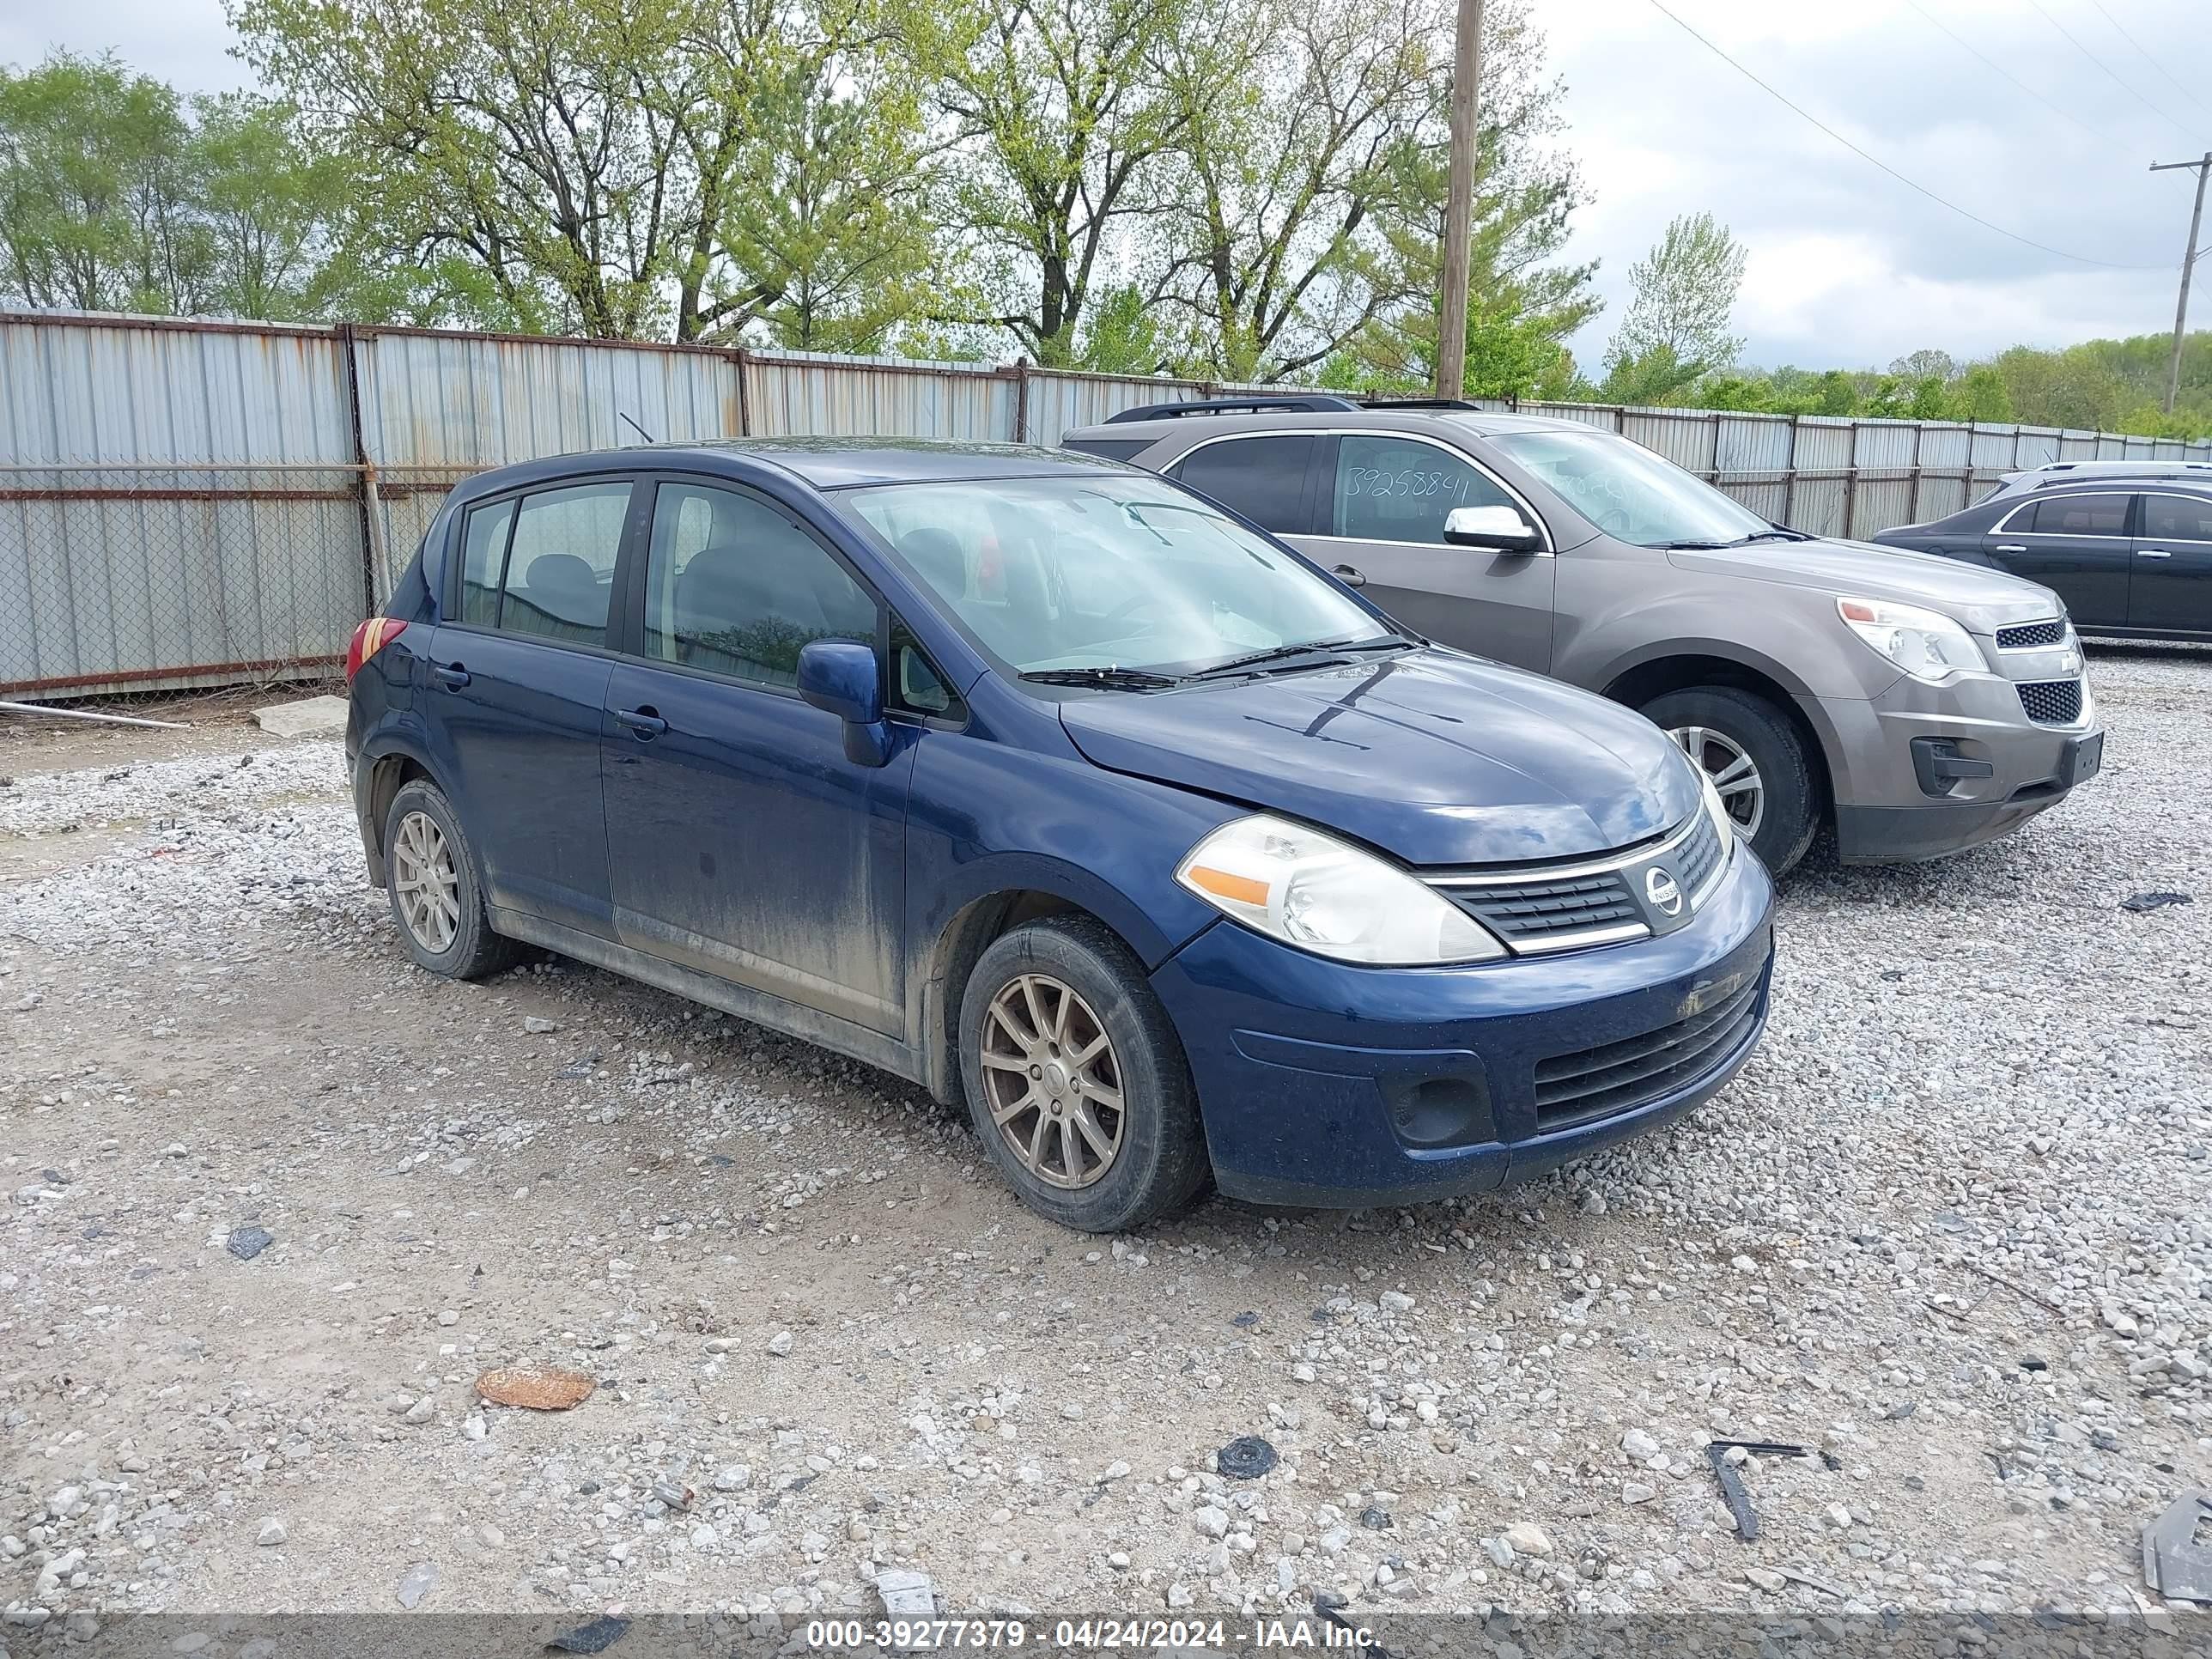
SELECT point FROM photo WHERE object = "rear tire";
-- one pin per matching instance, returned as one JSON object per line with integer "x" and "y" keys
{"x": 1777, "y": 803}
{"x": 430, "y": 877}
{"x": 1075, "y": 1079}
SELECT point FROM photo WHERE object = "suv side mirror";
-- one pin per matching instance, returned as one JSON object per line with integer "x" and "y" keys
{"x": 843, "y": 677}
{"x": 1500, "y": 527}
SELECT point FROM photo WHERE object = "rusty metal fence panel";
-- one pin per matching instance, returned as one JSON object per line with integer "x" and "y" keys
{"x": 179, "y": 505}
{"x": 857, "y": 396}
{"x": 189, "y": 502}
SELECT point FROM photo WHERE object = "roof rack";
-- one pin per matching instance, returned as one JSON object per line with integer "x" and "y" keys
{"x": 1311, "y": 403}
{"x": 1419, "y": 402}
{"x": 2118, "y": 466}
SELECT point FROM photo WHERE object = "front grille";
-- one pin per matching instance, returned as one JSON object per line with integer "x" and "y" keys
{"x": 1547, "y": 909}
{"x": 1559, "y": 906}
{"x": 2051, "y": 702}
{"x": 2030, "y": 637}
{"x": 1699, "y": 857}
{"x": 1618, "y": 1077}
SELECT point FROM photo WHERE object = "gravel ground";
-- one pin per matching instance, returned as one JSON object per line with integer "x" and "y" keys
{"x": 1948, "y": 1232}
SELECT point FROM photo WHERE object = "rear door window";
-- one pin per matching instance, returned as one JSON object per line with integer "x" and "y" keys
{"x": 1262, "y": 478}
{"x": 732, "y": 586}
{"x": 1399, "y": 489}
{"x": 2177, "y": 519}
{"x": 484, "y": 557}
{"x": 561, "y": 568}
{"x": 2079, "y": 515}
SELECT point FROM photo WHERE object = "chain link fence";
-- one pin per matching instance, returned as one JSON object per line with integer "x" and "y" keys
{"x": 187, "y": 503}
{"x": 142, "y": 578}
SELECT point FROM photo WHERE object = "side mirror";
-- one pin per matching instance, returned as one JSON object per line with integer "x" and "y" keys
{"x": 1500, "y": 528}
{"x": 843, "y": 677}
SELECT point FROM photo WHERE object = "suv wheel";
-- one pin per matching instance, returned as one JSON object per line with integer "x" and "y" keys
{"x": 431, "y": 877}
{"x": 1753, "y": 754}
{"x": 1075, "y": 1080}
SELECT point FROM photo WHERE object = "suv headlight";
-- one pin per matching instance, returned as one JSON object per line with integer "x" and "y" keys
{"x": 1926, "y": 644}
{"x": 1317, "y": 893}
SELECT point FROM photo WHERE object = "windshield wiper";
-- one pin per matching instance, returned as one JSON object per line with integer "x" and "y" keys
{"x": 1307, "y": 648}
{"x": 1107, "y": 680}
{"x": 1690, "y": 546}
{"x": 1777, "y": 534}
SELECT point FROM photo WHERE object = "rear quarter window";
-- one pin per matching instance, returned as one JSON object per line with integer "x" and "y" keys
{"x": 1109, "y": 449}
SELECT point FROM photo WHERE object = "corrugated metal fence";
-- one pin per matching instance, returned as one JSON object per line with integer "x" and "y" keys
{"x": 188, "y": 503}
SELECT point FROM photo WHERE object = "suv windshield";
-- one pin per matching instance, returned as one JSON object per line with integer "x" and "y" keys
{"x": 1056, "y": 575}
{"x": 1631, "y": 494}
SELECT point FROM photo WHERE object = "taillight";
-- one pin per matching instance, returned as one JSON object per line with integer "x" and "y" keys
{"x": 371, "y": 637}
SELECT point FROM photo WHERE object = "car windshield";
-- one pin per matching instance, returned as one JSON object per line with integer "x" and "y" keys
{"x": 1064, "y": 576}
{"x": 1631, "y": 494}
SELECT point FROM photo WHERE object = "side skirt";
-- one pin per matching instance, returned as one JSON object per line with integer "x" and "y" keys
{"x": 842, "y": 1036}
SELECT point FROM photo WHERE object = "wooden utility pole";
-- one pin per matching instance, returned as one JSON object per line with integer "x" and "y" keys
{"x": 2188, "y": 263}
{"x": 1459, "y": 210}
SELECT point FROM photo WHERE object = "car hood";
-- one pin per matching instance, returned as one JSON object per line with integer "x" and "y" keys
{"x": 1439, "y": 758}
{"x": 1984, "y": 599}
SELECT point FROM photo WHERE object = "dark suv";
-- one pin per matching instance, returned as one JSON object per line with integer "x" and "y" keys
{"x": 2131, "y": 553}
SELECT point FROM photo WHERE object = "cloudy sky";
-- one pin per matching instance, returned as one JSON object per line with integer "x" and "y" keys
{"x": 1848, "y": 266}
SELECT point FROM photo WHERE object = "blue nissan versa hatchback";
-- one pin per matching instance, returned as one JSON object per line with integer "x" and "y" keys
{"x": 1041, "y": 781}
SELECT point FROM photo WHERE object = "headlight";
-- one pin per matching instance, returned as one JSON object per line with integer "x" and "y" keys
{"x": 1310, "y": 890}
{"x": 1926, "y": 644}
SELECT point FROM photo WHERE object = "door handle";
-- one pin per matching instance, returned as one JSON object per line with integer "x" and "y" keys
{"x": 643, "y": 723}
{"x": 2010, "y": 547}
{"x": 450, "y": 673}
{"x": 2152, "y": 553}
{"x": 1349, "y": 576}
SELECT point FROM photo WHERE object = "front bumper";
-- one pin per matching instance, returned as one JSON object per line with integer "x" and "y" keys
{"x": 1346, "y": 1087}
{"x": 1889, "y": 810}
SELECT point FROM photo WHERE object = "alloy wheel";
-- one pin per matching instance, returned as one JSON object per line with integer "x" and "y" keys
{"x": 1052, "y": 1082}
{"x": 1742, "y": 791}
{"x": 427, "y": 883}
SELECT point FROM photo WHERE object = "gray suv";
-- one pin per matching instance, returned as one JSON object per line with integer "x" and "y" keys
{"x": 1921, "y": 705}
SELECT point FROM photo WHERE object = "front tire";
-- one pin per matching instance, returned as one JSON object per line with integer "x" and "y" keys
{"x": 1076, "y": 1082}
{"x": 430, "y": 877}
{"x": 1756, "y": 759}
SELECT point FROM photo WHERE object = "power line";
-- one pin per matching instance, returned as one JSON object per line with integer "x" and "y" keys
{"x": 2145, "y": 98}
{"x": 2122, "y": 28}
{"x": 2055, "y": 108}
{"x": 1864, "y": 156}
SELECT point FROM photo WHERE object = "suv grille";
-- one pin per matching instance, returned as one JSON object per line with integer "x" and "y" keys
{"x": 1575, "y": 904}
{"x": 2028, "y": 636}
{"x": 2051, "y": 702}
{"x": 1618, "y": 1077}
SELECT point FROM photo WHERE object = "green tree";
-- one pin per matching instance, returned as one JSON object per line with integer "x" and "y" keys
{"x": 1296, "y": 120}
{"x": 824, "y": 233}
{"x": 273, "y": 206}
{"x": 1056, "y": 119}
{"x": 1682, "y": 295}
{"x": 1522, "y": 305}
{"x": 95, "y": 189}
{"x": 539, "y": 146}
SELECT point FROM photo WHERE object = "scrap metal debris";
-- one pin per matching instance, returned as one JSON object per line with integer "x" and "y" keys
{"x": 1732, "y": 1487}
{"x": 246, "y": 1243}
{"x": 2174, "y": 1563}
{"x": 2141, "y": 902}
{"x": 1246, "y": 1458}
{"x": 88, "y": 715}
{"x": 597, "y": 1636}
{"x": 550, "y": 1390}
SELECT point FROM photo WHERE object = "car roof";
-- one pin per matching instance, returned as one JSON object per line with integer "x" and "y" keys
{"x": 1199, "y": 425}
{"x": 825, "y": 462}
